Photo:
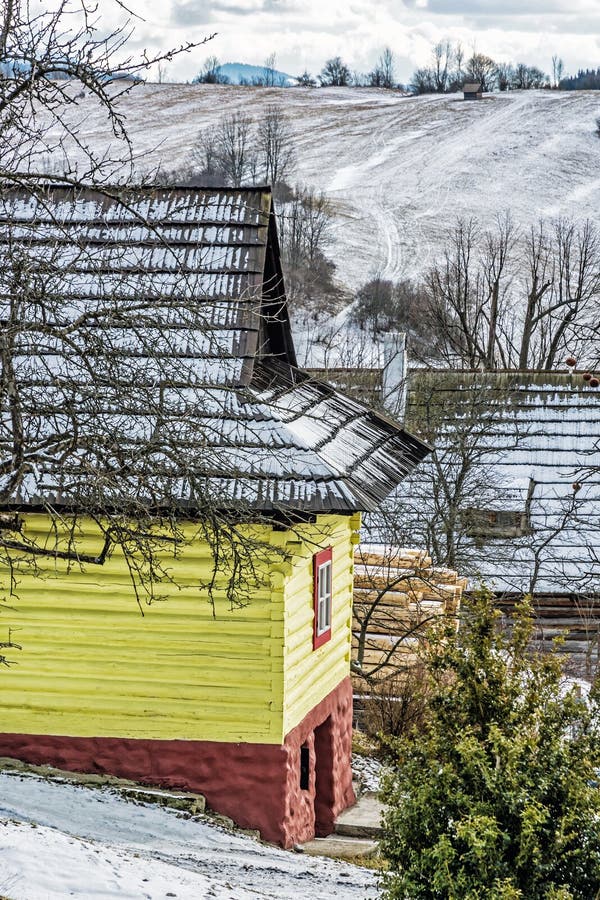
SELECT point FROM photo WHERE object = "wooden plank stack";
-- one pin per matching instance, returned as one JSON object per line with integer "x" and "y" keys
{"x": 398, "y": 595}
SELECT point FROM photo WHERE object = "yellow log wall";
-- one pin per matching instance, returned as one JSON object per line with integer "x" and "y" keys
{"x": 93, "y": 666}
{"x": 309, "y": 674}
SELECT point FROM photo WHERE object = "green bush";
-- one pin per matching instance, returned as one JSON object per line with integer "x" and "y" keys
{"x": 496, "y": 799}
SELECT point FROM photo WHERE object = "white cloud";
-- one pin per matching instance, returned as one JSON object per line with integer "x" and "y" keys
{"x": 304, "y": 33}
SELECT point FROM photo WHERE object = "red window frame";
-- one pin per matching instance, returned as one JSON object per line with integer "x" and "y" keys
{"x": 322, "y": 562}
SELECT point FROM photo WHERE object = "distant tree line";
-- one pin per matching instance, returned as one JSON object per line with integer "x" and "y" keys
{"x": 335, "y": 73}
{"x": 585, "y": 80}
{"x": 269, "y": 76}
{"x": 450, "y": 69}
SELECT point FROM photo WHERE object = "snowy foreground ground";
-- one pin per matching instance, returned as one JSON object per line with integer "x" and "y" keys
{"x": 60, "y": 840}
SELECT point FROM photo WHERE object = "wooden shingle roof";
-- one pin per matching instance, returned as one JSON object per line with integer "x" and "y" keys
{"x": 535, "y": 440}
{"x": 149, "y": 335}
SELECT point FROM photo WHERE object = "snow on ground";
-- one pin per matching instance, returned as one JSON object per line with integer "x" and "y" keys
{"x": 399, "y": 170}
{"x": 368, "y": 771}
{"x": 62, "y": 840}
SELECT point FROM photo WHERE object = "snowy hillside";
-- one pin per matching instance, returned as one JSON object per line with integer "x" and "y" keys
{"x": 399, "y": 169}
{"x": 60, "y": 840}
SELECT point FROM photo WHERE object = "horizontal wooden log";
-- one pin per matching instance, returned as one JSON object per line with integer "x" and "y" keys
{"x": 375, "y": 657}
{"x": 419, "y": 560}
{"x": 392, "y": 598}
{"x": 389, "y": 620}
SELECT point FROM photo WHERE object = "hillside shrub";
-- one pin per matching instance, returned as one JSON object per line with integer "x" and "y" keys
{"x": 497, "y": 796}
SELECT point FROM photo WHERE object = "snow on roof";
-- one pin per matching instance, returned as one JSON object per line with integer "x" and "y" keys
{"x": 532, "y": 436}
{"x": 152, "y": 338}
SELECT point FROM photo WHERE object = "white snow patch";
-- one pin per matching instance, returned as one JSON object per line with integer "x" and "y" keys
{"x": 61, "y": 840}
{"x": 368, "y": 771}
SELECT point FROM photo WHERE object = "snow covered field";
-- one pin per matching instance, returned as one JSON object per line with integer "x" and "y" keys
{"x": 400, "y": 170}
{"x": 60, "y": 840}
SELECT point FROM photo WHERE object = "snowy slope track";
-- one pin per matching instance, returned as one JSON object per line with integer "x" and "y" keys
{"x": 60, "y": 840}
{"x": 400, "y": 170}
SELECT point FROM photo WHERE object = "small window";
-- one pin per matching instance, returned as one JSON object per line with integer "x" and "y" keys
{"x": 490, "y": 523}
{"x": 322, "y": 597}
{"x": 304, "y": 768}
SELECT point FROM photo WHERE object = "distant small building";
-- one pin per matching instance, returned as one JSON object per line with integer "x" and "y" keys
{"x": 472, "y": 91}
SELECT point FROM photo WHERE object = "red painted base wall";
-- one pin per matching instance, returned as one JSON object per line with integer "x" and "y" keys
{"x": 257, "y": 785}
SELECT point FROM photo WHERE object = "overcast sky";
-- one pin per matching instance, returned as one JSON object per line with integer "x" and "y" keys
{"x": 304, "y": 33}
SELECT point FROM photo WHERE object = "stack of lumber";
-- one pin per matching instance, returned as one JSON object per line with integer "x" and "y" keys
{"x": 398, "y": 595}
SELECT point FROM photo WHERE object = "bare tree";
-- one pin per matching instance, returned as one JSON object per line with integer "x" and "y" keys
{"x": 482, "y": 69}
{"x": 161, "y": 73}
{"x": 335, "y": 73}
{"x": 501, "y": 299}
{"x": 306, "y": 80}
{"x": 206, "y": 157}
{"x": 397, "y": 598}
{"x": 495, "y": 261}
{"x": 452, "y": 481}
{"x": 387, "y": 64}
{"x": 456, "y": 310}
{"x": 304, "y": 228}
{"x": 270, "y": 77}
{"x": 236, "y": 152}
{"x": 308, "y": 224}
{"x": 558, "y": 70}
{"x": 275, "y": 145}
{"x": 374, "y": 304}
{"x": 72, "y": 360}
{"x": 506, "y": 76}
{"x": 383, "y": 73}
{"x": 422, "y": 81}
{"x": 79, "y": 365}
{"x": 526, "y": 77}
{"x": 227, "y": 151}
{"x": 442, "y": 62}
{"x": 563, "y": 286}
{"x": 459, "y": 61}
{"x": 211, "y": 73}
{"x": 382, "y": 306}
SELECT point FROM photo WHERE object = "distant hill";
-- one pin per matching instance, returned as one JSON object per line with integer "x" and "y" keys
{"x": 243, "y": 73}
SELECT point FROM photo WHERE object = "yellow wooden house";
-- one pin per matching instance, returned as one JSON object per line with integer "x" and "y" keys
{"x": 249, "y": 703}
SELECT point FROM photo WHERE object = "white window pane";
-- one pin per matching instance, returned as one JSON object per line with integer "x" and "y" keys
{"x": 324, "y": 598}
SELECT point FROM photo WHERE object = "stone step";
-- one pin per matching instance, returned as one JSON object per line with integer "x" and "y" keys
{"x": 363, "y": 820}
{"x": 339, "y": 847}
{"x": 182, "y": 800}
